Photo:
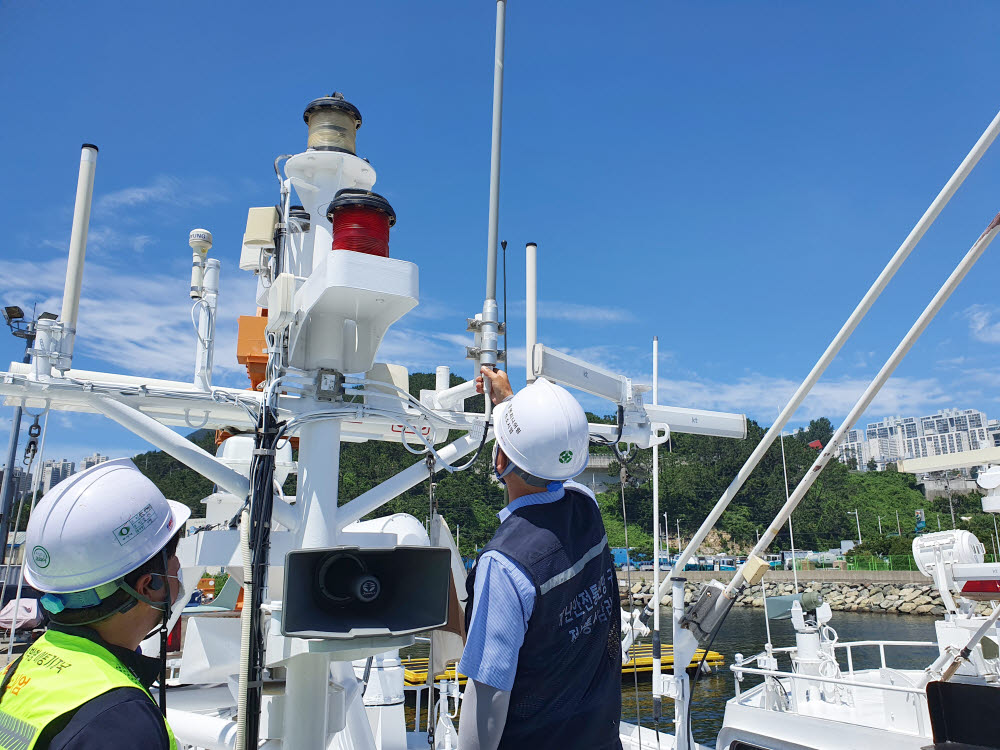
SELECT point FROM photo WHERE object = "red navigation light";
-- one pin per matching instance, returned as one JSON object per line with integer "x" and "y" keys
{"x": 982, "y": 591}
{"x": 361, "y": 222}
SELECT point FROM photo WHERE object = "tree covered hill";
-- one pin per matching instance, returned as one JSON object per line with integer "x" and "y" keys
{"x": 694, "y": 472}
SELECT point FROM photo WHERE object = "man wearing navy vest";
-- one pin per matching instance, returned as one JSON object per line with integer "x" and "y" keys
{"x": 543, "y": 652}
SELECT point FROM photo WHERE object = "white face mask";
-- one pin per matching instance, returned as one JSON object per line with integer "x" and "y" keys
{"x": 177, "y": 606}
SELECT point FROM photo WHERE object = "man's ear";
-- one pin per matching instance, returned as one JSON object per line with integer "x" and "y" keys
{"x": 502, "y": 461}
{"x": 146, "y": 585}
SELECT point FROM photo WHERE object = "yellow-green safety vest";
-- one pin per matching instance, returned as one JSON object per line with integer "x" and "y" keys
{"x": 57, "y": 674}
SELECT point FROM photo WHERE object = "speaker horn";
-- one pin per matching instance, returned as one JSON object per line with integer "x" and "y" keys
{"x": 350, "y": 592}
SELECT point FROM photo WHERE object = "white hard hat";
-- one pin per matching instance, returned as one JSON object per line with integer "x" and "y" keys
{"x": 96, "y": 526}
{"x": 543, "y": 431}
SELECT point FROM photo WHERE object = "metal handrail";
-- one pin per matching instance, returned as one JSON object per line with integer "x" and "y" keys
{"x": 738, "y": 668}
{"x": 820, "y": 678}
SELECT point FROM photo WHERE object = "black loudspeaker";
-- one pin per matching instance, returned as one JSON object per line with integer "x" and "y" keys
{"x": 349, "y": 592}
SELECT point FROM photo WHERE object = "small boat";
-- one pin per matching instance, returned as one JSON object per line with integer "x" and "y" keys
{"x": 415, "y": 667}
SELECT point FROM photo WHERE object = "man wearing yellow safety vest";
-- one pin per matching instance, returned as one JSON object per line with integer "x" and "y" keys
{"x": 100, "y": 545}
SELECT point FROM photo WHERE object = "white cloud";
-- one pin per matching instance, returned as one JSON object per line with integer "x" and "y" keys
{"x": 762, "y": 397}
{"x": 139, "y": 322}
{"x": 574, "y": 312}
{"x": 981, "y": 323}
{"x": 164, "y": 190}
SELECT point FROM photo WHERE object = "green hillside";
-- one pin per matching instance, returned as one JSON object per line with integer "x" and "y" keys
{"x": 694, "y": 471}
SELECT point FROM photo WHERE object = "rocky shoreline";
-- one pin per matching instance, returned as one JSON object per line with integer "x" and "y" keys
{"x": 886, "y": 598}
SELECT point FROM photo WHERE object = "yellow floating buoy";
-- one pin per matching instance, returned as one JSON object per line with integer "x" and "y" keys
{"x": 415, "y": 668}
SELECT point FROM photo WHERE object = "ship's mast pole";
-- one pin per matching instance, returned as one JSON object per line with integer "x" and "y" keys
{"x": 490, "y": 326}
{"x": 656, "y": 544}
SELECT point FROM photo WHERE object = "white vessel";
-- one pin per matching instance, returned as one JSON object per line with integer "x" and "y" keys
{"x": 329, "y": 599}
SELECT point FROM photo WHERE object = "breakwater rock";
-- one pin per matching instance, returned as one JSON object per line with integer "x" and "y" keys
{"x": 899, "y": 599}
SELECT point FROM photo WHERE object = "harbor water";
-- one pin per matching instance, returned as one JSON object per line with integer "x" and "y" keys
{"x": 744, "y": 632}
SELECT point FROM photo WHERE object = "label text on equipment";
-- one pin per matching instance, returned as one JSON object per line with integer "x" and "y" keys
{"x": 135, "y": 525}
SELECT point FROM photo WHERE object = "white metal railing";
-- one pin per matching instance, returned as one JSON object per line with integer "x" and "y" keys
{"x": 739, "y": 669}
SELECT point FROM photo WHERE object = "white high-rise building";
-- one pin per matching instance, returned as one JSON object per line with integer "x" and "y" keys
{"x": 20, "y": 479}
{"x": 854, "y": 447}
{"x": 895, "y": 438}
{"x": 94, "y": 460}
{"x": 53, "y": 472}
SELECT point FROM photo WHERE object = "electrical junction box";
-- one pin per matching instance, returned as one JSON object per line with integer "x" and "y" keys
{"x": 755, "y": 570}
{"x": 260, "y": 227}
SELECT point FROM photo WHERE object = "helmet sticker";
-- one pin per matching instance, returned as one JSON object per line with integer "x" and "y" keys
{"x": 134, "y": 526}
{"x": 41, "y": 556}
{"x": 565, "y": 457}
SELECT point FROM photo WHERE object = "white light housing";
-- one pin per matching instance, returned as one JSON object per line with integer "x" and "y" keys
{"x": 699, "y": 421}
{"x": 566, "y": 370}
{"x": 946, "y": 548}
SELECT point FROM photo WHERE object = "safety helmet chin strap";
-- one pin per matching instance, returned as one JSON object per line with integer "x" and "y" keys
{"x": 165, "y": 607}
{"x": 549, "y": 484}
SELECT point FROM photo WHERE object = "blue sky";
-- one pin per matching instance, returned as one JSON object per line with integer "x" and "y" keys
{"x": 728, "y": 176}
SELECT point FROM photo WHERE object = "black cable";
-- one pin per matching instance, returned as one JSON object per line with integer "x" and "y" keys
{"x": 261, "y": 506}
{"x": 503, "y": 245}
{"x": 623, "y": 459}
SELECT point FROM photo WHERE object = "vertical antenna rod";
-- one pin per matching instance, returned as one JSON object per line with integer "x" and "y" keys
{"x": 657, "y": 676}
{"x": 531, "y": 306}
{"x": 490, "y": 322}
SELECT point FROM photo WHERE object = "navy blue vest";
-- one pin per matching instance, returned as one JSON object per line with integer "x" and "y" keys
{"x": 567, "y": 689}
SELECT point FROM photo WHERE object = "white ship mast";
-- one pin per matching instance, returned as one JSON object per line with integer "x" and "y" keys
{"x": 322, "y": 588}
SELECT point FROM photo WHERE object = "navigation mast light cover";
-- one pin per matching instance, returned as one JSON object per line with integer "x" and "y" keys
{"x": 12, "y": 313}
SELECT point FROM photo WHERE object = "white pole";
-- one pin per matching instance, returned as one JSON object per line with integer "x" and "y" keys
{"x": 307, "y": 680}
{"x": 656, "y": 537}
{"x": 180, "y": 448}
{"x": 531, "y": 307}
{"x": 791, "y": 536}
{"x": 666, "y": 534}
{"x": 77, "y": 253}
{"x": 932, "y": 309}
{"x": 899, "y": 529}
{"x": 490, "y": 324}
{"x": 442, "y": 378}
{"x": 319, "y": 474}
{"x": 684, "y": 647}
{"x": 205, "y": 350}
{"x": 834, "y": 347}
{"x": 879, "y": 525}
{"x": 767, "y": 620}
{"x": 396, "y": 485}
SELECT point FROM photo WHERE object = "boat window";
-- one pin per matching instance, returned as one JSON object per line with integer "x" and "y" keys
{"x": 746, "y": 746}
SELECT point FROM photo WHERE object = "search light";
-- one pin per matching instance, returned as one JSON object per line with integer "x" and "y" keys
{"x": 12, "y": 313}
